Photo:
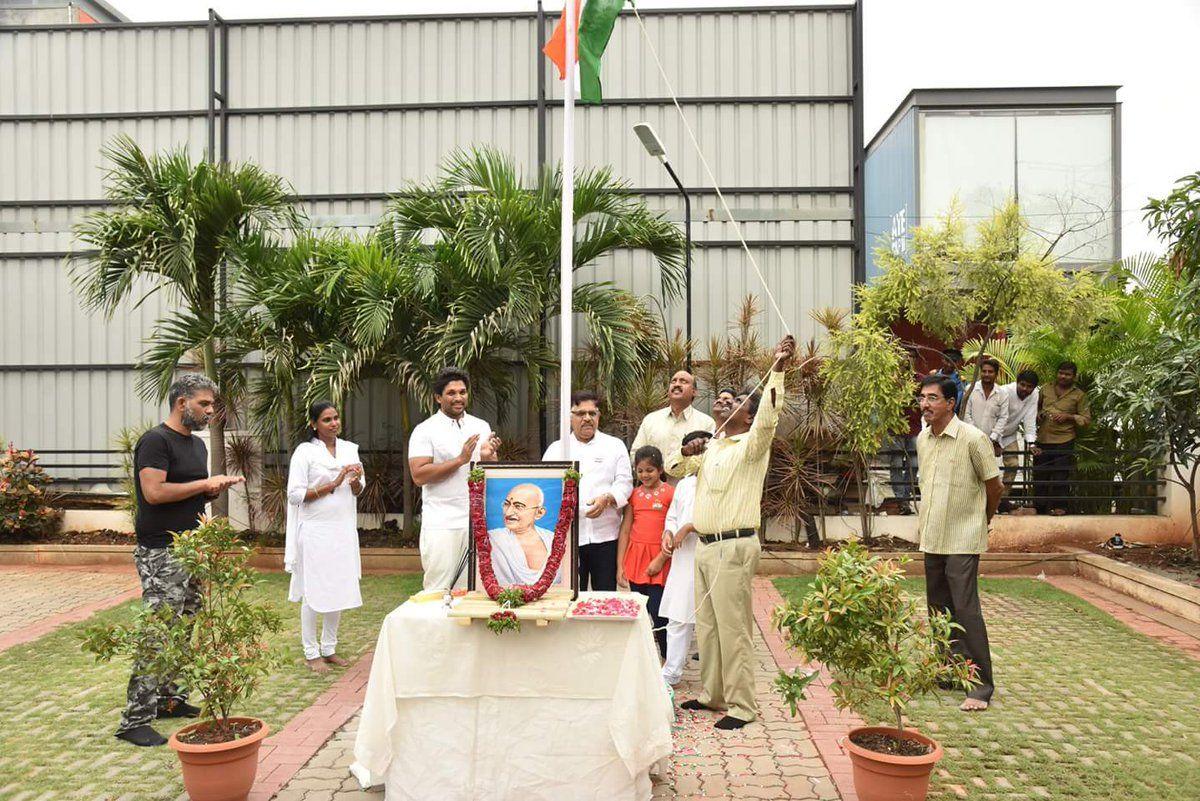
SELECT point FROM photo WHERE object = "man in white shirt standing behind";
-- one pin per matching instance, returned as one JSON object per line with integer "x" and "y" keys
{"x": 1023, "y": 396}
{"x": 666, "y": 427}
{"x": 987, "y": 408}
{"x": 605, "y": 484}
{"x": 440, "y": 452}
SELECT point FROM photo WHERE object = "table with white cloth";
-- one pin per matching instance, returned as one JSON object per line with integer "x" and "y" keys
{"x": 576, "y": 709}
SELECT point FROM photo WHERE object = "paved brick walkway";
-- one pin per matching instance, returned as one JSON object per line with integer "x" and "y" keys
{"x": 37, "y": 600}
{"x": 773, "y": 758}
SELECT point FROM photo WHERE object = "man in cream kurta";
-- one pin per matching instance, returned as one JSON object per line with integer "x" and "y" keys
{"x": 665, "y": 428}
{"x": 726, "y": 516}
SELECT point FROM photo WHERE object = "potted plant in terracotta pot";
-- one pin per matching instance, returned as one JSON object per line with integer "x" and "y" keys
{"x": 878, "y": 644}
{"x": 220, "y": 653}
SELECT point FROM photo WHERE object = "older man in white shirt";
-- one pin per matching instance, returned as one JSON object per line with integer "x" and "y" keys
{"x": 440, "y": 452}
{"x": 987, "y": 408}
{"x": 605, "y": 484}
{"x": 1023, "y": 398}
{"x": 666, "y": 427}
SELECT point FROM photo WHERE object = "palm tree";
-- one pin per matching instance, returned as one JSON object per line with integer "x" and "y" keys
{"x": 490, "y": 246}
{"x": 182, "y": 228}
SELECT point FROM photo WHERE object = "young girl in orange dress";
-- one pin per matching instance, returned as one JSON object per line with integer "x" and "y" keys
{"x": 641, "y": 563}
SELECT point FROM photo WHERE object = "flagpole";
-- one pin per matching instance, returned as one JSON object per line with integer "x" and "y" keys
{"x": 567, "y": 252}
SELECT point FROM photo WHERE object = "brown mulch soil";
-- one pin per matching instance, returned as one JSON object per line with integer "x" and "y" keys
{"x": 210, "y": 734}
{"x": 877, "y": 544}
{"x": 104, "y": 537}
{"x": 1171, "y": 561}
{"x": 887, "y": 744}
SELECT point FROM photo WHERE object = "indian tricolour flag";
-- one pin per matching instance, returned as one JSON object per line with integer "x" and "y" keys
{"x": 595, "y": 26}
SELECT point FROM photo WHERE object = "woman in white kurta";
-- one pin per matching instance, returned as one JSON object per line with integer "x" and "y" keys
{"x": 321, "y": 549}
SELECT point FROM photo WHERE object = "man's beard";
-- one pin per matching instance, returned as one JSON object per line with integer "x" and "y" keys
{"x": 194, "y": 423}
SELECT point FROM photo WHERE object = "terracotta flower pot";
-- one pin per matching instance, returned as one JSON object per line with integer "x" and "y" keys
{"x": 883, "y": 777}
{"x": 221, "y": 771}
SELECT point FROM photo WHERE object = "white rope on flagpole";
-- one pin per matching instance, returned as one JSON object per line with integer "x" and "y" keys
{"x": 567, "y": 252}
{"x": 707, "y": 169}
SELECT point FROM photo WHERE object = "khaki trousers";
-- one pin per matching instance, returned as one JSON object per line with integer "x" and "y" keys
{"x": 725, "y": 624}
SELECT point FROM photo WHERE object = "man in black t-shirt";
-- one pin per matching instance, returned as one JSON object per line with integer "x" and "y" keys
{"x": 170, "y": 468}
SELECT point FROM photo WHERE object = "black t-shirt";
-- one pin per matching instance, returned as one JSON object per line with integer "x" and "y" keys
{"x": 185, "y": 459}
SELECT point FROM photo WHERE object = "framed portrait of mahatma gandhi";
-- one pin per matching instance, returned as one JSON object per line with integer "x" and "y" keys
{"x": 523, "y": 507}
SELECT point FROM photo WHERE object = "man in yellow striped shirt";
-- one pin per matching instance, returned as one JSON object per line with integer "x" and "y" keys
{"x": 726, "y": 516}
{"x": 960, "y": 490}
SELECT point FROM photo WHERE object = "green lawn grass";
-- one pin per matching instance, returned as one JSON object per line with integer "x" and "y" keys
{"x": 1086, "y": 709}
{"x": 59, "y": 708}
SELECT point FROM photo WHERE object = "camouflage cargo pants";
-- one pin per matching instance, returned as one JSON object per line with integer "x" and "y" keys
{"x": 164, "y": 581}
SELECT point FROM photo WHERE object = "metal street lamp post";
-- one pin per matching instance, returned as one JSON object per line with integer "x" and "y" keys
{"x": 655, "y": 148}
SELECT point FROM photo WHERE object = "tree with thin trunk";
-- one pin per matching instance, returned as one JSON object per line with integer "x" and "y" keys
{"x": 180, "y": 228}
{"x": 1002, "y": 280}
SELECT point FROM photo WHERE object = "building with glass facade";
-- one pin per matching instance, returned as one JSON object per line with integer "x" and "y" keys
{"x": 1056, "y": 150}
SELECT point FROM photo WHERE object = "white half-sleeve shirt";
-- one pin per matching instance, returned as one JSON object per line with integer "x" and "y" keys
{"x": 446, "y": 503}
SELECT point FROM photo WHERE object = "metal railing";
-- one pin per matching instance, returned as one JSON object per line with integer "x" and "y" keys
{"x": 1033, "y": 482}
{"x": 892, "y": 482}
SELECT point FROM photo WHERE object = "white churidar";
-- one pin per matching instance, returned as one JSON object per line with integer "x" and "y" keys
{"x": 321, "y": 545}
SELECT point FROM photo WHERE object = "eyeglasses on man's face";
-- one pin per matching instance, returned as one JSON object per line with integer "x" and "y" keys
{"x": 931, "y": 397}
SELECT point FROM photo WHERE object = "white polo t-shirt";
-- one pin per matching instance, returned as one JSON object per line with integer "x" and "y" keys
{"x": 446, "y": 504}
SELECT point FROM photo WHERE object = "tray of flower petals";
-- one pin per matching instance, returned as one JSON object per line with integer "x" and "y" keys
{"x": 615, "y": 606}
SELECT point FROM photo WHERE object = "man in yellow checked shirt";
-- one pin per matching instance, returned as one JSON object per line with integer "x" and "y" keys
{"x": 726, "y": 516}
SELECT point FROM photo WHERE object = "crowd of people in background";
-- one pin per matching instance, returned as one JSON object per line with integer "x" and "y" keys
{"x": 1032, "y": 430}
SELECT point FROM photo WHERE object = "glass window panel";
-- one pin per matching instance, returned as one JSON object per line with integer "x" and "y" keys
{"x": 970, "y": 156}
{"x": 1065, "y": 181}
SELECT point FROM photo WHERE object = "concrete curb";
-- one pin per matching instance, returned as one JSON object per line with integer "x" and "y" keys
{"x": 1136, "y": 582}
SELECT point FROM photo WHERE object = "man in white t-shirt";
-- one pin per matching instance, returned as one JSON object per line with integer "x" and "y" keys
{"x": 605, "y": 484}
{"x": 440, "y": 452}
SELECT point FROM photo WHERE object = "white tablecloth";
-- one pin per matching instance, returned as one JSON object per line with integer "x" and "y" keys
{"x": 573, "y": 710}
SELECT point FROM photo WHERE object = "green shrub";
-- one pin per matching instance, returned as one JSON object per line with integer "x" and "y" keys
{"x": 25, "y": 509}
{"x": 220, "y": 652}
{"x": 878, "y": 643}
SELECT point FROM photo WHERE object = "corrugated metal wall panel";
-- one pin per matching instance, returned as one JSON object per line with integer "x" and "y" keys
{"x": 743, "y": 54}
{"x": 763, "y": 144}
{"x": 327, "y": 62}
{"x": 375, "y": 151}
{"x": 62, "y": 161}
{"x": 108, "y": 70}
{"x": 70, "y": 411}
{"x": 56, "y": 330}
{"x": 802, "y": 280}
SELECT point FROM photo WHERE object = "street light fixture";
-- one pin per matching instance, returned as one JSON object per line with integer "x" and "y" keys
{"x": 654, "y": 147}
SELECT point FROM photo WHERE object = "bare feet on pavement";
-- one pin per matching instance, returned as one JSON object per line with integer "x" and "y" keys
{"x": 317, "y": 665}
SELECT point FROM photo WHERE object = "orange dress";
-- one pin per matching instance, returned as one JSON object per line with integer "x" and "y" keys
{"x": 645, "y": 535}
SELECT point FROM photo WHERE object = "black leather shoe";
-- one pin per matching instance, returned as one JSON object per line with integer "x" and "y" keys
{"x": 730, "y": 722}
{"x": 694, "y": 705}
{"x": 144, "y": 736}
{"x": 179, "y": 709}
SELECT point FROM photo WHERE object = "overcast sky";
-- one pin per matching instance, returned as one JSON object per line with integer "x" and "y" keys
{"x": 1148, "y": 47}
